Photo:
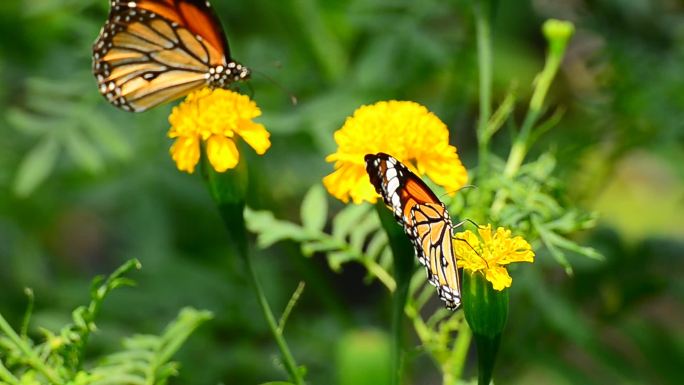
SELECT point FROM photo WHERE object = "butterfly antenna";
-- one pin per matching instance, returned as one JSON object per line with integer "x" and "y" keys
{"x": 473, "y": 249}
{"x": 293, "y": 98}
{"x": 453, "y": 236}
{"x": 459, "y": 224}
{"x": 455, "y": 191}
{"x": 251, "y": 90}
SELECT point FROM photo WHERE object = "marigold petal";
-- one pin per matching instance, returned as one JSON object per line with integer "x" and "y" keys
{"x": 519, "y": 250}
{"x": 466, "y": 247}
{"x": 446, "y": 171}
{"x": 256, "y": 136}
{"x": 222, "y": 153}
{"x": 185, "y": 151}
{"x": 499, "y": 277}
{"x": 485, "y": 234}
{"x": 348, "y": 182}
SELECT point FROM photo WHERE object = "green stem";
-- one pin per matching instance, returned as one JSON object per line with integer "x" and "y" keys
{"x": 484, "y": 59}
{"x": 558, "y": 38}
{"x": 542, "y": 84}
{"x": 522, "y": 142}
{"x": 403, "y": 254}
{"x": 228, "y": 191}
{"x": 452, "y": 369}
{"x": 381, "y": 274}
{"x": 31, "y": 356}
{"x": 240, "y": 240}
{"x": 7, "y": 376}
{"x": 288, "y": 359}
{"x": 460, "y": 350}
{"x": 398, "y": 304}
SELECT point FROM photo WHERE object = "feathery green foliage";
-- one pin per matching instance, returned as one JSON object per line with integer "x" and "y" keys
{"x": 60, "y": 357}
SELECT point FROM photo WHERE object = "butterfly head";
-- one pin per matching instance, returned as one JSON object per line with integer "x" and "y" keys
{"x": 241, "y": 72}
{"x": 223, "y": 76}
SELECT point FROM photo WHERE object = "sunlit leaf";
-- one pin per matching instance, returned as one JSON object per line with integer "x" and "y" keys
{"x": 28, "y": 123}
{"x": 106, "y": 135}
{"x": 314, "y": 210}
{"x": 82, "y": 151}
{"x": 270, "y": 230}
{"x": 36, "y": 166}
{"x": 348, "y": 218}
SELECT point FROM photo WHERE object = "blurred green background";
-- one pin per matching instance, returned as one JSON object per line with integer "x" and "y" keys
{"x": 84, "y": 186}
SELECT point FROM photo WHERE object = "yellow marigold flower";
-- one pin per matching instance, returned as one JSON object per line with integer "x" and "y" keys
{"x": 212, "y": 119}
{"x": 490, "y": 252}
{"x": 407, "y": 131}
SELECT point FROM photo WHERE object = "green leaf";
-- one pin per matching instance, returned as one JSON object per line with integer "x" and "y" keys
{"x": 348, "y": 218}
{"x": 82, "y": 151}
{"x": 557, "y": 254}
{"x": 179, "y": 330}
{"x": 28, "y": 123}
{"x": 36, "y": 166}
{"x": 270, "y": 230}
{"x": 362, "y": 230}
{"x": 317, "y": 246}
{"x": 106, "y": 135}
{"x": 574, "y": 247}
{"x": 500, "y": 115}
{"x": 145, "y": 359}
{"x": 337, "y": 258}
{"x": 377, "y": 244}
{"x": 314, "y": 210}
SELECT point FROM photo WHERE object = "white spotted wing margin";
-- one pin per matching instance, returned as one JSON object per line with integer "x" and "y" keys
{"x": 425, "y": 220}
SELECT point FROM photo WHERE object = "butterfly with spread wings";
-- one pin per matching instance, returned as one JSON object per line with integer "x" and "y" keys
{"x": 154, "y": 51}
{"x": 425, "y": 220}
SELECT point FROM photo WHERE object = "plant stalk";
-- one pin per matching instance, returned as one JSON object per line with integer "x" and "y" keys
{"x": 484, "y": 60}
{"x": 31, "y": 357}
{"x": 288, "y": 359}
{"x": 460, "y": 350}
{"x": 6, "y": 375}
{"x": 228, "y": 191}
{"x": 403, "y": 254}
{"x": 558, "y": 33}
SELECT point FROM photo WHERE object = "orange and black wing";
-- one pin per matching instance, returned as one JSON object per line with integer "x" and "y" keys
{"x": 153, "y": 51}
{"x": 425, "y": 220}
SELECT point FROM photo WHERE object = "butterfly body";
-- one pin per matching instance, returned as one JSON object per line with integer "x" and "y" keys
{"x": 153, "y": 51}
{"x": 424, "y": 218}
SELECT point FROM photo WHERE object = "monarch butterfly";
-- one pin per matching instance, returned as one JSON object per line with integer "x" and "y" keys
{"x": 425, "y": 220}
{"x": 153, "y": 51}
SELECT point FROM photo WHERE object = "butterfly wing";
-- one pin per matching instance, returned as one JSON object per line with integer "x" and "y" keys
{"x": 431, "y": 228}
{"x": 425, "y": 220}
{"x": 153, "y": 51}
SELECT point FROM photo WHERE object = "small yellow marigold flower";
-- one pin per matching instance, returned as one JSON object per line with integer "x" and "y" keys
{"x": 490, "y": 252}
{"x": 407, "y": 131}
{"x": 215, "y": 118}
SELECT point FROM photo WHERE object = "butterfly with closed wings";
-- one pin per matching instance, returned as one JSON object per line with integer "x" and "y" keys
{"x": 425, "y": 220}
{"x": 154, "y": 51}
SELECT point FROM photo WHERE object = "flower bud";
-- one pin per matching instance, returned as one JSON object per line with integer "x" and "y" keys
{"x": 558, "y": 33}
{"x": 228, "y": 190}
{"x": 486, "y": 311}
